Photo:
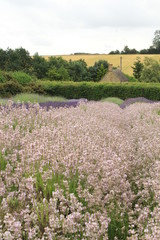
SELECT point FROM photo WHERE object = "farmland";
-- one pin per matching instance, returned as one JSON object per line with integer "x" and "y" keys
{"x": 90, "y": 172}
{"x": 127, "y": 60}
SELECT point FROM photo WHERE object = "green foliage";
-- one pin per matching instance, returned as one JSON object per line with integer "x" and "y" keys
{"x": 73, "y": 183}
{"x": 22, "y": 78}
{"x": 127, "y": 50}
{"x": 5, "y": 76}
{"x": 98, "y": 91}
{"x": 15, "y": 60}
{"x": 3, "y": 163}
{"x": 55, "y": 68}
{"x": 119, "y": 224}
{"x": 36, "y": 98}
{"x": 43, "y": 215}
{"x": 10, "y": 88}
{"x": 2, "y": 78}
{"x": 57, "y": 62}
{"x": 34, "y": 88}
{"x": 63, "y": 72}
{"x": 13, "y": 203}
{"x": 137, "y": 68}
{"x": 115, "y": 52}
{"x": 40, "y": 66}
{"x": 53, "y": 74}
{"x": 151, "y": 71}
{"x": 44, "y": 190}
{"x": 130, "y": 78}
{"x": 101, "y": 72}
{"x": 156, "y": 41}
{"x": 78, "y": 70}
{"x": 3, "y": 59}
{"x": 98, "y": 70}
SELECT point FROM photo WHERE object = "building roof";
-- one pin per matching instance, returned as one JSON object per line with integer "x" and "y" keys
{"x": 115, "y": 75}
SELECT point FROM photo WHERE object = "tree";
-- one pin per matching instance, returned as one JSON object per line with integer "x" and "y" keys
{"x": 156, "y": 41}
{"x": 151, "y": 71}
{"x": 3, "y": 58}
{"x": 40, "y": 66}
{"x": 127, "y": 50}
{"x": 18, "y": 60}
{"x": 60, "y": 74}
{"x": 98, "y": 70}
{"x": 53, "y": 74}
{"x": 24, "y": 60}
{"x": 63, "y": 72}
{"x": 57, "y": 62}
{"x": 78, "y": 70}
{"x": 101, "y": 72}
{"x": 115, "y": 52}
{"x": 137, "y": 68}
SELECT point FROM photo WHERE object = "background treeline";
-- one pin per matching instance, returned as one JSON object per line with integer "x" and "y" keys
{"x": 54, "y": 68}
{"x": 153, "y": 49}
{"x": 17, "y": 65}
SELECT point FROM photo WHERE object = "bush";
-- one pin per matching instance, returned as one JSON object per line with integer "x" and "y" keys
{"x": 5, "y": 76}
{"x": 131, "y": 78}
{"x": 10, "y": 88}
{"x": 97, "y": 91}
{"x": 151, "y": 71}
{"x": 2, "y": 78}
{"x": 22, "y": 78}
{"x": 35, "y": 88}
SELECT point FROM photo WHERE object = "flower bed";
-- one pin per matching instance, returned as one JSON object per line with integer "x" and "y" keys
{"x": 90, "y": 172}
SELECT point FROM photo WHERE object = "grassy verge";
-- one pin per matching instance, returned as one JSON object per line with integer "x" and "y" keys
{"x": 112, "y": 100}
{"x": 34, "y": 98}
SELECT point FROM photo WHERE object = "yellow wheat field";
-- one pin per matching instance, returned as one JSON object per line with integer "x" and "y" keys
{"x": 127, "y": 60}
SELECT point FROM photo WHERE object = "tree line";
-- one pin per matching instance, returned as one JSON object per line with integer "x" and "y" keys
{"x": 54, "y": 68}
{"x": 153, "y": 49}
{"x": 148, "y": 71}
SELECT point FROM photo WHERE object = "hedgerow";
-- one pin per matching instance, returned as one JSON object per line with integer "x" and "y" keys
{"x": 97, "y": 91}
{"x": 89, "y": 90}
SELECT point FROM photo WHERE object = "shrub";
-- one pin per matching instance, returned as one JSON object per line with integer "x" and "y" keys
{"x": 151, "y": 71}
{"x": 22, "y": 78}
{"x": 2, "y": 78}
{"x": 131, "y": 78}
{"x": 97, "y": 91}
{"x": 35, "y": 88}
{"x": 10, "y": 88}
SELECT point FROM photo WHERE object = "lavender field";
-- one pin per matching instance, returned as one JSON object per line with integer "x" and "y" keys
{"x": 87, "y": 172}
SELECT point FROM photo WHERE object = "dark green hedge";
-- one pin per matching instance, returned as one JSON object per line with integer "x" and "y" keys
{"x": 97, "y": 91}
{"x": 89, "y": 90}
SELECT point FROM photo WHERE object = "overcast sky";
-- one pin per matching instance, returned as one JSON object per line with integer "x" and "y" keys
{"x": 52, "y": 27}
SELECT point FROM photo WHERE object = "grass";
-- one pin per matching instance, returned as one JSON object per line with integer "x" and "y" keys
{"x": 36, "y": 98}
{"x": 33, "y": 98}
{"x": 113, "y": 100}
{"x": 127, "y": 60}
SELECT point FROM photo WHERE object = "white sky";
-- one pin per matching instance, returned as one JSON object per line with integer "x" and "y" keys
{"x": 52, "y": 27}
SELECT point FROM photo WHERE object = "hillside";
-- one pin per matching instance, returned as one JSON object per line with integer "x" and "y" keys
{"x": 127, "y": 60}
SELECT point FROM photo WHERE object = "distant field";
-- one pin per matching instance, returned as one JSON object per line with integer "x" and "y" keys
{"x": 127, "y": 60}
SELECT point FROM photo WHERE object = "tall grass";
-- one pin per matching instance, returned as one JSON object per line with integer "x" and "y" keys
{"x": 33, "y": 98}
